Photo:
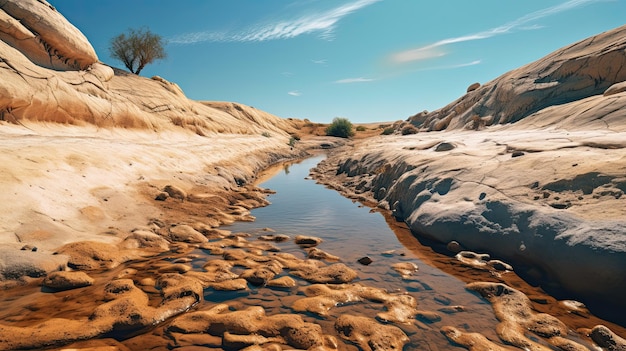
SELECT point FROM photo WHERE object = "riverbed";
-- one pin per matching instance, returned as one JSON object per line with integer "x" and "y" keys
{"x": 350, "y": 232}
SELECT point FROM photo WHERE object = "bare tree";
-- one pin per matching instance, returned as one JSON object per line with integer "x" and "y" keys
{"x": 137, "y": 48}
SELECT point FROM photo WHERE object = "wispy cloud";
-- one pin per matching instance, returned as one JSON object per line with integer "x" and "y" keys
{"x": 435, "y": 49}
{"x": 354, "y": 80}
{"x": 320, "y": 62}
{"x": 323, "y": 23}
{"x": 294, "y": 93}
{"x": 460, "y": 65}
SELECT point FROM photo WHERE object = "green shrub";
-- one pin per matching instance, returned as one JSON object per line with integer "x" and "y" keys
{"x": 341, "y": 127}
{"x": 361, "y": 128}
{"x": 292, "y": 141}
{"x": 266, "y": 134}
{"x": 388, "y": 131}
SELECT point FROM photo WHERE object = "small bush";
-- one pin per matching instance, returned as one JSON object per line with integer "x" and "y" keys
{"x": 341, "y": 127}
{"x": 388, "y": 131}
{"x": 292, "y": 141}
{"x": 360, "y": 129}
{"x": 409, "y": 129}
{"x": 266, "y": 134}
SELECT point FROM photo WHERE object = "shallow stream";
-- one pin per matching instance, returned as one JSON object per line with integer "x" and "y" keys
{"x": 349, "y": 231}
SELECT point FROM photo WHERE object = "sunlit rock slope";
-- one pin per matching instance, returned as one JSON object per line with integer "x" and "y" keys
{"x": 579, "y": 71}
{"x": 85, "y": 148}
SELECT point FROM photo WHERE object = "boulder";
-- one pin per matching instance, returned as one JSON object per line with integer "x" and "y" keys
{"x": 15, "y": 263}
{"x": 307, "y": 241}
{"x": 143, "y": 239}
{"x": 175, "y": 192}
{"x": 473, "y": 87}
{"x": 36, "y": 29}
{"x": 337, "y": 273}
{"x": 88, "y": 255}
{"x": 615, "y": 89}
{"x": 66, "y": 280}
{"x": 248, "y": 324}
{"x": 187, "y": 234}
{"x": 369, "y": 334}
{"x": 606, "y": 338}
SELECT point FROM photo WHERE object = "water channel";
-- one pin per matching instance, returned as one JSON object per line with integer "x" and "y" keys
{"x": 352, "y": 231}
{"x": 349, "y": 230}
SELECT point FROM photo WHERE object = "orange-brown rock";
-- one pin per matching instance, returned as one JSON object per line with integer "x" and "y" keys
{"x": 65, "y": 280}
{"x": 517, "y": 317}
{"x": 369, "y": 334}
{"x": 472, "y": 341}
{"x": 307, "y": 241}
{"x": 126, "y": 309}
{"x": 605, "y": 338}
{"x": 337, "y": 273}
{"x": 246, "y": 325}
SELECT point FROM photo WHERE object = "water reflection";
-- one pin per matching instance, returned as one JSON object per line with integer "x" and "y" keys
{"x": 352, "y": 231}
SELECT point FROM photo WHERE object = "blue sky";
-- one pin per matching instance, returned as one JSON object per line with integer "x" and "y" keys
{"x": 366, "y": 60}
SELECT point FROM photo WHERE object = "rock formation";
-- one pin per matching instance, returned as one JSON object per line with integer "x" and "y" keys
{"x": 39, "y": 32}
{"x": 54, "y": 89}
{"x": 126, "y": 176}
{"x": 544, "y": 192}
{"x": 51, "y": 73}
{"x": 575, "y": 72}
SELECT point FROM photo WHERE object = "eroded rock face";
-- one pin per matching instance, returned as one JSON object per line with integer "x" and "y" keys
{"x": 41, "y": 33}
{"x": 572, "y": 73}
{"x": 558, "y": 207}
{"x": 51, "y": 73}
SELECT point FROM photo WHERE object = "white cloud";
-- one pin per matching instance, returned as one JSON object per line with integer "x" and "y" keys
{"x": 418, "y": 54}
{"x": 320, "y": 62}
{"x": 460, "y": 65}
{"x": 473, "y": 63}
{"x": 323, "y": 23}
{"x": 294, "y": 93}
{"x": 434, "y": 50}
{"x": 354, "y": 80}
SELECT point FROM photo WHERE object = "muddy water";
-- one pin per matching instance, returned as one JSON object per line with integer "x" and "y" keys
{"x": 350, "y": 231}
